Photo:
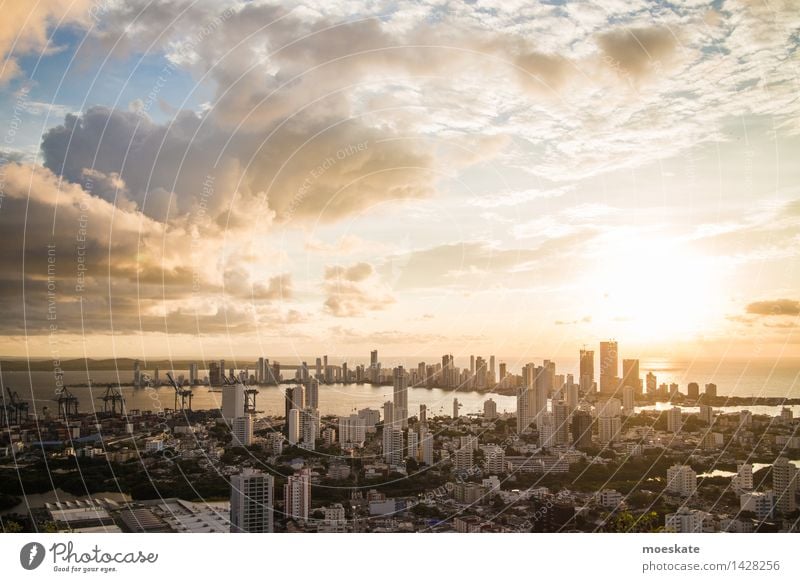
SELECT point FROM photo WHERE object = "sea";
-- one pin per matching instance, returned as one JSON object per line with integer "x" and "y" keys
{"x": 732, "y": 377}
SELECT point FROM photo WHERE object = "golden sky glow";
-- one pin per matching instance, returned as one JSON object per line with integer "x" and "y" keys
{"x": 257, "y": 179}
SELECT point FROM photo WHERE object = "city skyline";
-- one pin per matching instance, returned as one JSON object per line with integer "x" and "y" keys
{"x": 262, "y": 178}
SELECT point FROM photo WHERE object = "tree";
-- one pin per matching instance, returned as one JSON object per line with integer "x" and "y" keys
{"x": 626, "y": 522}
{"x": 11, "y": 526}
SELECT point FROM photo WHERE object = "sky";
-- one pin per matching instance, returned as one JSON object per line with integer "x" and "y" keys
{"x": 211, "y": 179}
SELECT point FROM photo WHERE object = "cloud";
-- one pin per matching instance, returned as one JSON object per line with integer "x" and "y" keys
{"x": 585, "y": 319}
{"x": 775, "y": 307}
{"x": 72, "y": 261}
{"x": 638, "y": 52}
{"x": 352, "y": 291}
{"x": 24, "y": 29}
{"x": 297, "y": 172}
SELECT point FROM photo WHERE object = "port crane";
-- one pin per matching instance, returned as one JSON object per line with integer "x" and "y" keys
{"x": 111, "y": 398}
{"x": 182, "y": 393}
{"x": 67, "y": 404}
{"x": 14, "y": 409}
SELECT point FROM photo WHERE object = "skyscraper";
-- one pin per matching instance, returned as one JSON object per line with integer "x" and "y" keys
{"x": 233, "y": 401}
{"x": 312, "y": 393}
{"x": 586, "y": 377}
{"x": 374, "y": 367}
{"x": 352, "y": 431}
{"x": 674, "y": 421}
{"x": 784, "y": 485}
{"x": 652, "y": 384}
{"x": 490, "y": 409}
{"x": 630, "y": 375}
{"x": 252, "y": 502}
{"x": 572, "y": 394}
{"x": 242, "y": 430}
{"x": 293, "y": 426}
{"x": 628, "y": 399}
{"x": 194, "y": 376}
{"x": 297, "y": 495}
{"x": 609, "y": 368}
{"x": 400, "y": 401}
{"x": 426, "y": 446}
{"x": 294, "y": 399}
{"x": 582, "y": 430}
{"x": 561, "y": 422}
{"x": 525, "y": 408}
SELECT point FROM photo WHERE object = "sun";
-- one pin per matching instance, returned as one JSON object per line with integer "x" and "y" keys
{"x": 655, "y": 289}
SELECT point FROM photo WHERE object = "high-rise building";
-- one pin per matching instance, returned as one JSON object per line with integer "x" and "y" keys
{"x": 214, "y": 374}
{"x": 681, "y": 480}
{"x": 422, "y": 375}
{"x": 388, "y": 414}
{"x": 233, "y": 401}
{"x": 608, "y": 429}
{"x": 490, "y": 409}
{"x": 572, "y": 394}
{"x": 543, "y": 385}
{"x": 456, "y": 406}
{"x": 492, "y": 377}
{"x": 352, "y": 431}
{"x": 525, "y": 408}
{"x": 242, "y": 430}
{"x": 503, "y": 373}
{"x": 581, "y": 430}
{"x": 652, "y": 384}
{"x": 674, "y": 421}
{"x": 561, "y": 414}
{"x": 463, "y": 459}
{"x": 252, "y": 502}
{"x": 743, "y": 481}
{"x": 448, "y": 371}
{"x": 687, "y": 520}
{"x": 586, "y": 376}
{"x": 423, "y": 414}
{"x": 628, "y": 400}
{"x": 413, "y": 445}
{"x": 370, "y": 417}
{"x": 392, "y": 445}
{"x": 309, "y": 428}
{"x": 547, "y": 430}
{"x": 137, "y": 374}
{"x": 784, "y": 485}
{"x": 297, "y": 495}
{"x": 194, "y": 375}
{"x": 312, "y": 393}
{"x": 711, "y": 391}
{"x": 693, "y": 390}
{"x": 374, "y": 367}
{"x": 426, "y": 446}
{"x": 706, "y": 413}
{"x": 609, "y": 368}
{"x": 294, "y": 399}
{"x": 400, "y": 400}
{"x": 293, "y": 426}
{"x": 630, "y": 375}
{"x": 481, "y": 374}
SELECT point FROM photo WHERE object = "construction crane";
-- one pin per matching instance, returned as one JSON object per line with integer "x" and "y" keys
{"x": 110, "y": 399}
{"x": 67, "y": 404}
{"x": 182, "y": 393}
